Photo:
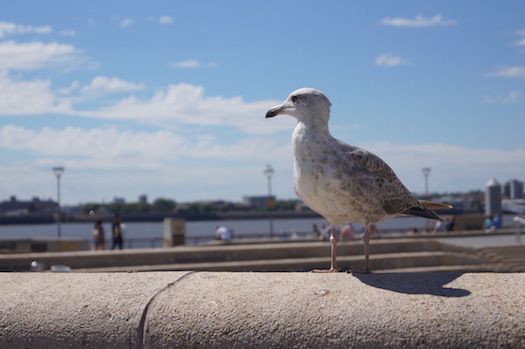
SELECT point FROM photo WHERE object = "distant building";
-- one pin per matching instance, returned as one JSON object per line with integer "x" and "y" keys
{"x": 143, "y": 199}
{"x": 260, "y": 202}
{"x": 15, "y": 207}
{"x": 473, "y": 203}
{"x": 493, "y": 198}
{"x": 514, "y": 205}
{"x": 117, "y": 200}
{"x": 513, "y": 189}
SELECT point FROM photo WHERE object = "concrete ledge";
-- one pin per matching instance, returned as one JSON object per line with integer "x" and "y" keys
{"x": 41, "y": 244}
{"x": 262, "y": 310}
{"x": 219, "y": 253}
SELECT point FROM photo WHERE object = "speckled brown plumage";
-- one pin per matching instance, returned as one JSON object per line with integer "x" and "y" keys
{"x": 341, "y": 182}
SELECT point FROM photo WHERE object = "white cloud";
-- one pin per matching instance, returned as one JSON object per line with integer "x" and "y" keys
{"x": 114, "y": 148}
{"x": 104, "y": 84}
{"x": 509, "y": 72}
{"x": 454, "y": 167}
{"x": 419, "y": 21}
{"x": 29, "y": 97}
{"x": 511, "y": 97}
{"x": 8, "y": 28}
{"x": 96, "y": 144}
{"x": 82, "y": 184}
{"x": 389, "y": 60}
{"x": 166, "y": 20}
{"x": 170, "y": 107}
{"x": 192, "y": 64}
{"x": 33, "y": 55}
{"x": 110, "y": 161}
{"x": 68, "y": 32}
{"x": 161, "y": 160}
{"x": 520, "y": 42}
{"x": 187, "y": 64}
{"x": 187, "y": 104}
{"x": 74, "y": 86}
{"x": 126, "y": 22}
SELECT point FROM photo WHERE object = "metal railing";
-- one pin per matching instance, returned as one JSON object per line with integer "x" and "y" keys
{"x": 154, "y": 242}
{"x": 519, "y": 223}
{"x": 144, "y": 242}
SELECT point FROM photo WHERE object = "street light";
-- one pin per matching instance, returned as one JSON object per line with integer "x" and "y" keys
{"x": 426, "y": 172}
{"x": 58, "y": 171}
{"x": 268, "y": 172}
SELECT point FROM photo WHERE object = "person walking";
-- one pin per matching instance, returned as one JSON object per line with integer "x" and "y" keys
{"x": 99, "y": 240}
{"x": 116, "y": 229}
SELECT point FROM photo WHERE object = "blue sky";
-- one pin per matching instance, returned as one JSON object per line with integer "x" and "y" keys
{"x": 168, "y": 98}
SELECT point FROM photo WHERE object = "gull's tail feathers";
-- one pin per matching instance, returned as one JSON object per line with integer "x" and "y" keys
{"x": 425, "y": 209}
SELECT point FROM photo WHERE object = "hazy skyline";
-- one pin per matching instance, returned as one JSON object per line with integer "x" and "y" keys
{"x": 168, "y": 98}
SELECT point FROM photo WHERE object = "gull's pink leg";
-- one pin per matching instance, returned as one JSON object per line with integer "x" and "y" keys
{"x": 366, "y": 240}
{"x": 333, "y": 253}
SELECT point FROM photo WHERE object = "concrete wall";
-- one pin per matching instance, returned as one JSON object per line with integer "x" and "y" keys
{"x": 182, "y": 257}
{"x": 262, "y": 310}
{"x": 42, "y": 245}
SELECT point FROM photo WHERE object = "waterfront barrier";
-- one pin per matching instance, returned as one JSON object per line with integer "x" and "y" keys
{"x": 309, "y": 236}
{"x": 174, "y": 232}
{"x": 387, "y": 254}
{"x": 407, "y": 254}
{"x": 42, "y": 245}
{"x": 262, "y": 310}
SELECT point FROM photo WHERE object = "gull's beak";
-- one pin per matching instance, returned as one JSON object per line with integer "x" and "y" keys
{"x": 274, "y": 111}
{"x": 279, "y": 109}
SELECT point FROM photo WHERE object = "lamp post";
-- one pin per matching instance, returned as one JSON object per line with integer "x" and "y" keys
{"x": 58, "y": 171}
{"x": 268, "y": 172}
{"x": 426, "y": 173}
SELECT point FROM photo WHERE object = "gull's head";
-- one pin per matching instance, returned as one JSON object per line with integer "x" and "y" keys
{"x": 305, "y": 104}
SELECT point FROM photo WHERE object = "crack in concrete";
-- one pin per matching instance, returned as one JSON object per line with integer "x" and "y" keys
{"x": 140, "y": 333}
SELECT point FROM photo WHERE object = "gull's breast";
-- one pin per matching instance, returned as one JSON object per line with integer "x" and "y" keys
{"x": 325, "y": 179}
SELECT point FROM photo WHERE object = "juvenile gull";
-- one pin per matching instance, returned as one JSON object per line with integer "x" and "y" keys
{"x": 341, "y": 182}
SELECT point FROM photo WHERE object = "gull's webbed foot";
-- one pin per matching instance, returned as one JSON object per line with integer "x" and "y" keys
{"x": 331, "y": 270}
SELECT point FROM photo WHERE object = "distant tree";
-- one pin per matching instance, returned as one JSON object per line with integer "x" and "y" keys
{"x": 115, "y": 207}
{"x": 90, "y": 206}
{"x": 136, "y": 207}
{"x": 285, "y": 205}
{"x": 163, "y": 205}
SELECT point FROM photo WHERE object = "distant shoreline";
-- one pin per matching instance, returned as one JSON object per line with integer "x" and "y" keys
{"x": 153, "y": 217}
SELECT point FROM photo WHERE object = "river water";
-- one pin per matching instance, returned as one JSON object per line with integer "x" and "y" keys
{"x": 154, "y": 230}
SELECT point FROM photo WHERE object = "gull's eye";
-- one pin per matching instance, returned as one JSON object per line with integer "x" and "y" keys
{"x": 295, "y": 98}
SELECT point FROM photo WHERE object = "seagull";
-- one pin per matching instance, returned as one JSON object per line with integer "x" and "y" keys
{"x": 341, "y": 182}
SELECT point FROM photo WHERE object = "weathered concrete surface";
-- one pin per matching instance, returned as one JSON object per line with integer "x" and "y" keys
{"x": 262, "y": 310}
{"x": 320, "y": 311}
{"x": 47, "y": 310}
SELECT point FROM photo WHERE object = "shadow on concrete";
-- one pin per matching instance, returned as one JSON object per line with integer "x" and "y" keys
{"x": 415, "y": 283}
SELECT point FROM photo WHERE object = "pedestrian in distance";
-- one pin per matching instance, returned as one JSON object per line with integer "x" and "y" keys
{"x": 99, "y": 240}
{"x": 116, "y": 229}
